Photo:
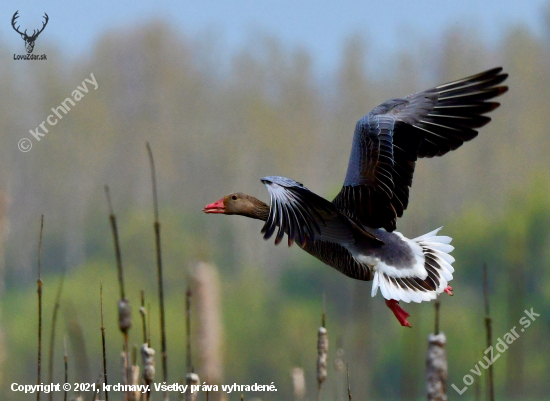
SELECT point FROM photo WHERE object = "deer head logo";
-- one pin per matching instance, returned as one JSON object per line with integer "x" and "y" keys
{"x": 29, "y": 40}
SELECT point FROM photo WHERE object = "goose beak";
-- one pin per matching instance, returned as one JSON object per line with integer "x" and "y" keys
{"x": 216, "y": 207}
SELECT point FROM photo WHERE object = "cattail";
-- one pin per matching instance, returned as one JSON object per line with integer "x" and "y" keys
{"x": 124, "y": 324}
{"x": 436, "y": 363}
{"x": 148, "y": 362}
{"x": 124, "y": 315}
{"x": 124, "y": 309}
{"x": 299, "y": 383}
{"x": 322, "y": 350}
{"x": 136, "y": 396}
{"x": 339, "y": 365}
{"x": 98, "y": 385}
{"x": 136, "y": 382}
{"x": 191, "y": 379}
{"x": 156, "y": 225}
{"x": 436, "y": 368}
{"x": 206, "y": 285}
{"x": 339, "y": 361}
{"x": 124, "y": 363}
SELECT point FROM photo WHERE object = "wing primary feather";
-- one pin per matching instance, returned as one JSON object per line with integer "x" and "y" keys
{"x": 309, "y": 220}
{"x": 282, "y": 224}
{"x": 291, "y": 222}
{"x": 270, "y": 223}
{"x": 304, "y": 223}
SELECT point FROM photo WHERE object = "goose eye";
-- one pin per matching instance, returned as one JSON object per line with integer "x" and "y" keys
{"x": 234, "y": 197}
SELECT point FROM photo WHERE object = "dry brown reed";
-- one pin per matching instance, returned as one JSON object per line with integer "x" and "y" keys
{"x": 77, "y": 341}
{"x": 103, "y": 341}
{"x": 135, "y": 374}
{"x": 143, "y": 313}
{"x": 98, "y": 381}
{"x": 124, "y": 309}
{"x": 322, "y": 354}
{"x": 436, "y": 362}
{"x": 52, "y": 332}
{"x": 436, "y": 368}
{"x": 191, "y": 379}
{"x": 339, "y": 367}
{"x": 349, "y": 387}
{"x": 39, "y": 283}
{"x": 298, "y": 383}
{"x": 207, "y": 295}
{"x": 156, "y": 225}
{"x": 189, "y": 361}
{"x": 436, "y": 324}
{"x": 148, "y": 363}
{"x": 489, "y": 332}
{"x": 66, "y": 363}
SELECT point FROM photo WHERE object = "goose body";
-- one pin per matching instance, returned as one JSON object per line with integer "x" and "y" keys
{"x": 355, "y": 233}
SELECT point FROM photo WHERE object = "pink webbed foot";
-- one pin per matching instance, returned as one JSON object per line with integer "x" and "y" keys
{"x": 399, "y": 313}
{"x": 449, "y": 290}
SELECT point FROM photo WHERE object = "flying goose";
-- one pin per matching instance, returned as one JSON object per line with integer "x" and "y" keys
{"x": 355, "y": 233}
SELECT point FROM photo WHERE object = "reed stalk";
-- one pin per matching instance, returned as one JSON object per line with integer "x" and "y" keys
{"x": 349, "y": 388}
{"x": 52, "y": 333}
{"x": 156, "y": 225}
{"x": 489, "y": 331}
{"x": 124, "y": 309}
{"x": 39, "y": 283}
{"x": 66, "y": 363}
{"x": 103, "y": 341}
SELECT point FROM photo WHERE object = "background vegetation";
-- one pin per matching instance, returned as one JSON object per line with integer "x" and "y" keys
{"x": 218, "y": 127}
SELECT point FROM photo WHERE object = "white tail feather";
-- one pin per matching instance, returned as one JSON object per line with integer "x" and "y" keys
{"x": 429, "y": 249}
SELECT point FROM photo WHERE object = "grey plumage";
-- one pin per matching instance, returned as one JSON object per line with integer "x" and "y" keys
{"x": 388, "y": 140}
{"x": 355, "y": 232}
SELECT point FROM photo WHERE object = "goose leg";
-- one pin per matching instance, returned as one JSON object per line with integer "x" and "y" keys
{"x": 399, "y": 313}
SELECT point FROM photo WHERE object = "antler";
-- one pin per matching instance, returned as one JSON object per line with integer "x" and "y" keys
{"x": 15, "y": 16}
{"x": 34, "y": 35}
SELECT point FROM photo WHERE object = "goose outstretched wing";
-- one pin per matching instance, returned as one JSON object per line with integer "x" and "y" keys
{"x": 388, "y": 140}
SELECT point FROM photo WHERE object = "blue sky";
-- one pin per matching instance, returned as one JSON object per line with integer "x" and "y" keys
{"x": 319, "y": 26}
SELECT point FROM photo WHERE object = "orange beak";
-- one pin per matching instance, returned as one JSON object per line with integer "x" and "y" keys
{"x": 216, "y": 207}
